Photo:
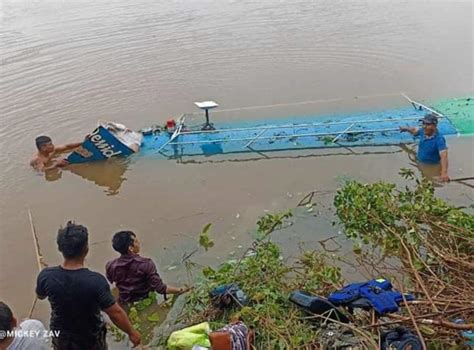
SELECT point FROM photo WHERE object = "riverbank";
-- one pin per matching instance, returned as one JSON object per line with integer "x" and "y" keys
{"x": 391, "y": 234}
{"x": 168, "y": 229}
{"x": 420, "y": 242}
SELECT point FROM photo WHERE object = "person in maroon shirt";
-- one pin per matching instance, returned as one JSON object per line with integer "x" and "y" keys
{"x": 78, "y": 295}
{"x": 134, "y": 275}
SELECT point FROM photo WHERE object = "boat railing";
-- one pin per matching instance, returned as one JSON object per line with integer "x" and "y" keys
{"x": 276, "y": 137}
{"x": 354, "y": 127}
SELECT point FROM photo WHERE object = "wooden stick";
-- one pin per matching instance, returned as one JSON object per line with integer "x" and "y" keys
{"x": 446, "y": 324}
{"x": 416, "y": 274}
{"x": 401, "y": 319}
{"x": 441, "y": 323}
{"x": 463, "y": 178}
{"x": 347, "y": 325}
{"x": 33, "y": 306}
{"x": 415, "y": 271}
{"x": 414, "y": 322}
{"x": 39, "y": 257}
{"x": 463, "y": 183}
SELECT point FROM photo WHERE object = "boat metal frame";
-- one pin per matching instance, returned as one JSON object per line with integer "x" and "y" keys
{"x": 263, "y": 129}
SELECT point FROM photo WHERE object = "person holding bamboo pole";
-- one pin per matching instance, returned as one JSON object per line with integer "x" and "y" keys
{"x": 77, "y": 295}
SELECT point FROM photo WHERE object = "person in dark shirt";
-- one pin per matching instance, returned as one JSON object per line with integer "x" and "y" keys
{"x": 432, "y": 147}
{"x": 77, "y": 295}
{"x": 134, "y": 275}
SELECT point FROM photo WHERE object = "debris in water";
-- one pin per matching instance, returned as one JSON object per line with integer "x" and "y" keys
{"x": 154, "y": 317}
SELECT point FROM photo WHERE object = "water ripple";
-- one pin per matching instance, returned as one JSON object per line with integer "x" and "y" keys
{"x": 64, "y": 65}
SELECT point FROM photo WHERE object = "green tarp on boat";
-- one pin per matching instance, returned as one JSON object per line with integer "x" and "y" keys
{"x": 460, "y": 112}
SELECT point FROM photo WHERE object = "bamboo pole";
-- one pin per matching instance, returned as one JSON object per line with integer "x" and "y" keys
{"x": 463, "y": 178}
{"x": 39, "y": 257}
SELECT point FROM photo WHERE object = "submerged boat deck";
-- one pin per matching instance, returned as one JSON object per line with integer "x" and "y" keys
{"x": 376, "y": 128}
{"x": 292, "y": 133}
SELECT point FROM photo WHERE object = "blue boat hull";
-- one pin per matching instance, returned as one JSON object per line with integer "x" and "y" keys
{"x": 325, "y": 132}
{"x": 292, "y": 133}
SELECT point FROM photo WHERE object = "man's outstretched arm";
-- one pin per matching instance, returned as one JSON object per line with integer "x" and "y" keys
{"x": 67, "y": 147}
{"x": 56, "y": 164}
{"x": 120, "y": 319}
{"x": 411, "y": 130}
{"x": 158, "y": 285}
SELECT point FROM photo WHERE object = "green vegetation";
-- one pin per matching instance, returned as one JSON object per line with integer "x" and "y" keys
{"x": 433, "y": 243}
{"x": 328, "y": 139}
{"x": 267, "y": 280}
{"x": 424, "y": 245}
{"x": 421, "y": 243}
{"x": 145, "y": 315}
{"x": 384, "y": 216}
{"x": 204, "y": 240}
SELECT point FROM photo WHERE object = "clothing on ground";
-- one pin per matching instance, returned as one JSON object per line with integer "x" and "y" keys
{"x": 378, "y": 292}
{"x": 135, "y": 277}
{"x": 238, "y": 333}
{"x": 76, "y": 298}
{"x": 188, "y": 337}
{"x": 400, "y": 338}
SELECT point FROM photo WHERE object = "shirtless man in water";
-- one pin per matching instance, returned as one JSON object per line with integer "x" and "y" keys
{"x": 45, "y": 159}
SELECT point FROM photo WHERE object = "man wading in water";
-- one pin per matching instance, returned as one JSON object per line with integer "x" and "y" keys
{"x": 47, "y": 152}
{"x": 77, "y": 295}
{"x": 432, "y": 148}
{"x": 135, "y": 276}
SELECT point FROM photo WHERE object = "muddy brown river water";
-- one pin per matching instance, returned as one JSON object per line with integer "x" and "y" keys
{"x": 66, "y": 64}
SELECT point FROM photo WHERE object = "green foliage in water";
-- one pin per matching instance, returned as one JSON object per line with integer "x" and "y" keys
{"x": 381, "y": 214}
{"x": 328, "y": 139}
{"x": 205, "y": 240}
{"x": 143, "y": 315}
{"x": 270, "y": 222}
{"x": 267, "y": 279}
{"x": 431, "y": 241}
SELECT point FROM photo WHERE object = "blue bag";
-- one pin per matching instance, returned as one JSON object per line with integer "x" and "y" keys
{"x": 378, "y": 293}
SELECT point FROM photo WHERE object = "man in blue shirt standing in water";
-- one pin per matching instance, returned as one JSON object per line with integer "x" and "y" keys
{"x": 432, "y": 148}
